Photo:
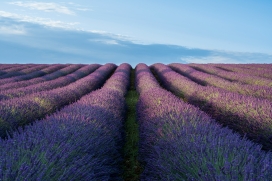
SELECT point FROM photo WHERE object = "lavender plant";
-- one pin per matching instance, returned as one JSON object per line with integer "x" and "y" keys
{"x": 259, "y": 66}
{"x": 33, "y": 75}
{"x": 212, "y": 80}
{"x": 21, "y": 111}
{"x": 4, "y": 67}
{"x": 11, "y": 77}
{"x": 65, "y": 69}
{"x": 82, "y": 141}
{"x": 233, "y": 76}
{"x": 180, "y": 142}
{"x": 15, "y": 70}
{"x": 249, "y": 69}
{"x": 244, "y": 114}
{"x": 49, "y": 85}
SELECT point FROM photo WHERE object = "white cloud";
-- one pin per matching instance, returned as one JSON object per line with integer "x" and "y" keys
{"x": 105, "y": 41}
{"x": 47, "y": 7}
{"x": 110, "y": 42}
{"x": 83, "y": 9}
{"x": 113, "y": 36}
{"x": 12, "y": 30}
{"x": 79, "y": 7}
{"x": 66, "y": 25}
{"x": 38, "y": 20}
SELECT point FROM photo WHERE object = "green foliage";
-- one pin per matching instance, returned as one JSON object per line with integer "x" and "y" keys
{"x": 132, "y": 168}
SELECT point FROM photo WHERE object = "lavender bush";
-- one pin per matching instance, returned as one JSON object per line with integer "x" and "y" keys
{"x": 49, "y": 85}
{"x": 180, "y": 142}
{"x": 250, "y": 69}
{"x": 35, "y": 74}
{"x": 208, "y": 79}
{"x": 65, "y": 69}
{"x": 244, "y": 114}
{"x": 15, "y": 69}
{"x": 83, "y": 141}
{"x": 233, "y": 76}
{"x": 4, "y": 67}
{"x": 6, "y": 78}
{"x": 21, "y": 111}
{"x": 258, "y": 66}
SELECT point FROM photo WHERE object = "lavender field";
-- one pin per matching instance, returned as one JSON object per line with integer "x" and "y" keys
{"x": 195, "y": 122}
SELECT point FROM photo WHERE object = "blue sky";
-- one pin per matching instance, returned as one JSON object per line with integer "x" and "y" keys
{"x": 140, "y": 31}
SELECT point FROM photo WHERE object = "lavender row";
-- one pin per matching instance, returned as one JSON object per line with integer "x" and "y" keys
{"x": 180, "y": 142}
{"x": 233, "y": 76}
{"x": 258, "y": 67}
{"x": 261, "y": 66}
{"x": 4, "y": 67}
{"x": 49, "y": 85}
{"x": 15, "y": 70}
{"x": 37, "y": 73}
{"x": 244, "y": 114}
{"x": 11, "y": 75}
{"x": 265, "y": 73}
{"x": 21, "y": 111}
{"x": 10, "y": 67}
{"x": 49, "y": 76}
{"x": 208, "y": 79}
{"x": 83, "y": 141}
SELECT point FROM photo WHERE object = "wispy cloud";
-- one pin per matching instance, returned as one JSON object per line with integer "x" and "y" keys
{"x": 38, "y": 20}
{"x": 79, "y": 7}
{"x": 105, "y": 41}
{"x": 12, "y": 30}
{"x": 47, "y": 7}
{"x": 83, "y": 9}
{"x": 118, "y": 37}
{"x": 114, "y": 38}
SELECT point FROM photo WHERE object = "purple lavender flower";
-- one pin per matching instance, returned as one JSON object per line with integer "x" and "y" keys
{"x": 82, "y": 141}
{"x": 180, "y": 142}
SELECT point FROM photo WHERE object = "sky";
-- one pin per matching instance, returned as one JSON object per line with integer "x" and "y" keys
{"x": 135, "y": 32}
